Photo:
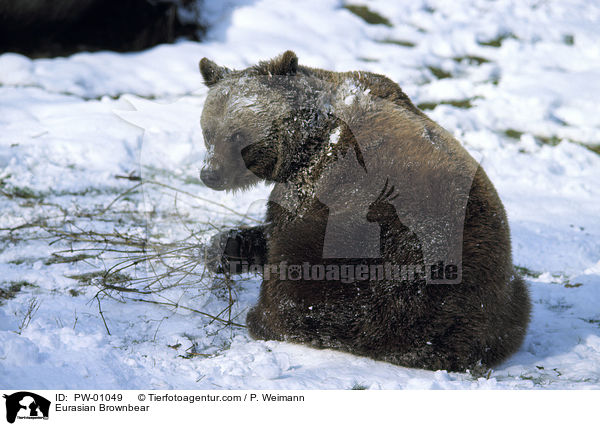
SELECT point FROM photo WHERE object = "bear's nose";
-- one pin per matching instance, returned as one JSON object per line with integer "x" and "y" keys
{"x": 212, "y": 178}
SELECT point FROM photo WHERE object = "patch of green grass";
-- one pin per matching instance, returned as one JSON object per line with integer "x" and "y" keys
{"x": 471, "y": 59}
{"x": 10, "y": 291}
{"x": 15, "y": 191}
{"x": 67, "y": 259}
{"x": 527, "y": 272}
{"x": 497, "y": 41}
{"x": 594, "y": 148}
{"x": 458, "y": 103}
{"x": 190, "y": 355}
{"x": 367, "y": 15}
{"x": 555, "y": 140}
{"x": 439, "y": 73}
{"x": 358, "y": 386}
{"x": 83, "y": 192}
{"x": 74, "y": 292}
{"x": 3, "y": 180}
{"x": 575, "y": 285}
{"x": 404, "y": 43}
{"x": 552, "y": 140}
{"x": 427, "y": 105}
{"x": 88, "y": 277}
{"x": 21, "y": 261}
{"x": 493, "y": 80}
{"x": 462, "y": 103}
{"x": 368, "y": 59}
{"x": 24, "y": 192}
{"x": 549, "y": 140}
{"x": 513, "y": 134}
{"x": 569, "y": 39}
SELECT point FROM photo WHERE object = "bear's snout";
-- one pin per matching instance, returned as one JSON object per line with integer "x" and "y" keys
{"x": 213, "y": 178}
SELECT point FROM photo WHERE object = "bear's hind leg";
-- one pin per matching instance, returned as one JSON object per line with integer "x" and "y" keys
{"x": 257, "y": 326}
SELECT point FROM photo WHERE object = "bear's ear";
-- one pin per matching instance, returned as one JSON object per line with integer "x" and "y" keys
{"x": 284, "y": 64}
{"x": 211, "y": 72}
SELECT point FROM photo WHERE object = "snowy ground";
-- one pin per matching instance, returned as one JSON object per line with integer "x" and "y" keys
{"x": 517, "y": 82}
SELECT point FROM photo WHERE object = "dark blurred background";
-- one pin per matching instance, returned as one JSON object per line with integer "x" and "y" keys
{"x": 43, "y": 28}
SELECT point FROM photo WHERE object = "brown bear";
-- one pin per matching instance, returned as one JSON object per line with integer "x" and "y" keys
{"x": 383, "y": 236}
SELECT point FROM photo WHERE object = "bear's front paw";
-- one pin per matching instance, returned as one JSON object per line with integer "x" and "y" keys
{"x": 223, "y": 249}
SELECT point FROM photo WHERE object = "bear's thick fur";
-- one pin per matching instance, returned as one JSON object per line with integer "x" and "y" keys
{"x": 349, "y": 153}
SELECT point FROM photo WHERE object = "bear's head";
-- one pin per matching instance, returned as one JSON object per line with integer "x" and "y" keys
{"x": 257, "y": 122}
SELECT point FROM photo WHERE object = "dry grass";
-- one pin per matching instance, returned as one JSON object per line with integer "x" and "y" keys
{"x": 123, "y": 259}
